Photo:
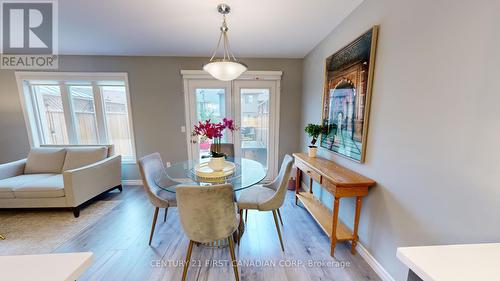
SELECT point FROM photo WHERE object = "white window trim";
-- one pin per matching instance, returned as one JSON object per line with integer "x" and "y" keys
{"x": 27, "y": 107}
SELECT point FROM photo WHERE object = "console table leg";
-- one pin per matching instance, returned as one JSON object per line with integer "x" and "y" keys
{"x": 356, "y": 223}
{"x": 336, "y": 203}
{"x": 298, "y": 181}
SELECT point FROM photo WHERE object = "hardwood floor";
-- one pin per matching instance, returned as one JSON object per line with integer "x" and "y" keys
{"x": 119, "y": 241}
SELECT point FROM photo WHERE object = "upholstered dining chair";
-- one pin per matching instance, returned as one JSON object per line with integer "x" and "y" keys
{"x": 226, "y": 148}
{"x": 268, "y": 197}
{"x": 207, "y": 214}
{"x": 150, "y": 166}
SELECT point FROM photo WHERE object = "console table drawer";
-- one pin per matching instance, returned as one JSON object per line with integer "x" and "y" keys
{"x": 344, "y": 191}
{"x": 308, "y": 171}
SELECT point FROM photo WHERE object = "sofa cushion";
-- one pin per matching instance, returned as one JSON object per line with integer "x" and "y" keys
{"x": 8, "y": 185}
{"x": 45, "y": 160}
{"x": 77, "y": 157}
{"x": 48, "y": 187}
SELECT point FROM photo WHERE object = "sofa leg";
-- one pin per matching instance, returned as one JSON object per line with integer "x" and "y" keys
{"x": 76, "y": 211}
{"x": 120, "y": 188}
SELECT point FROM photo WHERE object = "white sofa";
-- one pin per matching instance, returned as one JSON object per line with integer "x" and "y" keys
{"x": 59, "y": 176}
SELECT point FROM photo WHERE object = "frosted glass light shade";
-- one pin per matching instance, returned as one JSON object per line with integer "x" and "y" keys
{"x": 225, "y": 70}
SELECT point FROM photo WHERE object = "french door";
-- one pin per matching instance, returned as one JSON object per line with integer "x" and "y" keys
{"x": 206, "y": 99}
{"x": 252, "y": 103}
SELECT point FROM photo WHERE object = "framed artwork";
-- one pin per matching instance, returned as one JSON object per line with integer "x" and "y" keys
{"x": 346, "y": 97}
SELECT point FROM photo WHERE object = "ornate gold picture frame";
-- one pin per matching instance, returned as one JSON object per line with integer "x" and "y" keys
{"x": 347, "y": 95}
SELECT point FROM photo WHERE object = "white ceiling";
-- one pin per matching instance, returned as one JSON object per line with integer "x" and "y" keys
{"x": 257, "y": 28}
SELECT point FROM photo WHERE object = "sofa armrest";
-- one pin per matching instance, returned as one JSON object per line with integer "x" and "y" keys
{"x": 84, "y": 183}
{"x": 12, "y": 169}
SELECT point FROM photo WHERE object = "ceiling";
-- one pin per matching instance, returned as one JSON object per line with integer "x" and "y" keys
{"x": 257, "y": 28}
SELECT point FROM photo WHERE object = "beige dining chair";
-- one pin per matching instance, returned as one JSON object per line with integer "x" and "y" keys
{"x": 151, "y": 166}
{"x": 268, "y": 197}
{"x": 226, "y": 148}
{"x": 207, "y": 214}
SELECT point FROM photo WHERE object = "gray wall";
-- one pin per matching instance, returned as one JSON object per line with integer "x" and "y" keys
{"x": 157, "y": 103}
{"x": 434, "y": 124}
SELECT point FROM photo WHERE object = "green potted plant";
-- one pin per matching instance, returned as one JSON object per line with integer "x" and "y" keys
{"x": 313, "y": 130}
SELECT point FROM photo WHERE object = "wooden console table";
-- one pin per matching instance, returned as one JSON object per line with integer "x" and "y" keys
{"x": 340, "y": 182}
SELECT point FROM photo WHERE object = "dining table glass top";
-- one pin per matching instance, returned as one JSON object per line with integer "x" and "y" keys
{"x": 246, "y": 173}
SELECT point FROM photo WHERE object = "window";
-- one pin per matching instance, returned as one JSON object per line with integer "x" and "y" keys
{"x": 82, "y": 102}
{"x": 117, "y": 120}
{"x": 50, "y": 114}
{"x": 71, "y": 108}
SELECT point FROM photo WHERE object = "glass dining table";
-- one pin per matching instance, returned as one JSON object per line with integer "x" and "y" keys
{"x": 247, "y": 172}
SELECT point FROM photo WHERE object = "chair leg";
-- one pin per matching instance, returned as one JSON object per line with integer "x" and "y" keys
{"x": 165, "y": 216}
{"x": 240, "y": 227}
{"x": 154, "y": 224}
{"x": 246, "y": 215}
{"x": 278, "y": 229}
{"x": 233, "y": 258}
{"x": 2, "y": 237}
{"x": 279, "y": 215}
{"x": 188, "y": 259}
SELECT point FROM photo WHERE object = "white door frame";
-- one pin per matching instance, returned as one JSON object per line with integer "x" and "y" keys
{"x": 193, "y": 75}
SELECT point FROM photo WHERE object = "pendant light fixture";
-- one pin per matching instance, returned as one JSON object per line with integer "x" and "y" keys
{"x": 228, "y": 67}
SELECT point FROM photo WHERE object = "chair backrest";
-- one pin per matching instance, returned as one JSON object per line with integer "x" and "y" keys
{"x": 207, "y": 213}
{"x": 226, "y": 148}
{"x": 150, "y": 166}
{"x": 279, "y": 185}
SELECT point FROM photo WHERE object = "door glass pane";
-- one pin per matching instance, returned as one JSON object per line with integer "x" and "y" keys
{"x": 51, "y": 114}
{"x": 210, "y": 104}
{"x": 117, "y": 120}
{"x": 82, "y": 98}
{"x": 255, "y": 124}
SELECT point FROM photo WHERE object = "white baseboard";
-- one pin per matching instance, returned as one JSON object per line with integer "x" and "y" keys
{"x": 373, "y": 263}
{"x": 132, "y": 182}
{"x": 363, "y": 252}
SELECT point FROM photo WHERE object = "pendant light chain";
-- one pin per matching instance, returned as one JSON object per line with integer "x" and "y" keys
{"x": 216, "y": 48}
{"x": 224, "y": 38}
{"x": 228, "y": 48}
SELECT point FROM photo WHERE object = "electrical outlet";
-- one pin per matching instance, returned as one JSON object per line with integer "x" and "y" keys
{"x": 168, "y": 165}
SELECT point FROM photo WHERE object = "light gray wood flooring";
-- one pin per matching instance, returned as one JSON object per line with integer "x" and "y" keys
{"x": 119, "y": 241}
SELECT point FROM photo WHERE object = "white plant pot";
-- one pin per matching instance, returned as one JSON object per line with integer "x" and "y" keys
{"x": 312, "y": 151}
{"x": 217, "y": 163}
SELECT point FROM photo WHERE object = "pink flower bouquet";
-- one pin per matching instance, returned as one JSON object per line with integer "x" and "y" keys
{"x": 214, "y": 131}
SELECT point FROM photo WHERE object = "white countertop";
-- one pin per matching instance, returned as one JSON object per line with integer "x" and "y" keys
{"x": 50, "y": 267}
{"x": 469, "y": 262}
